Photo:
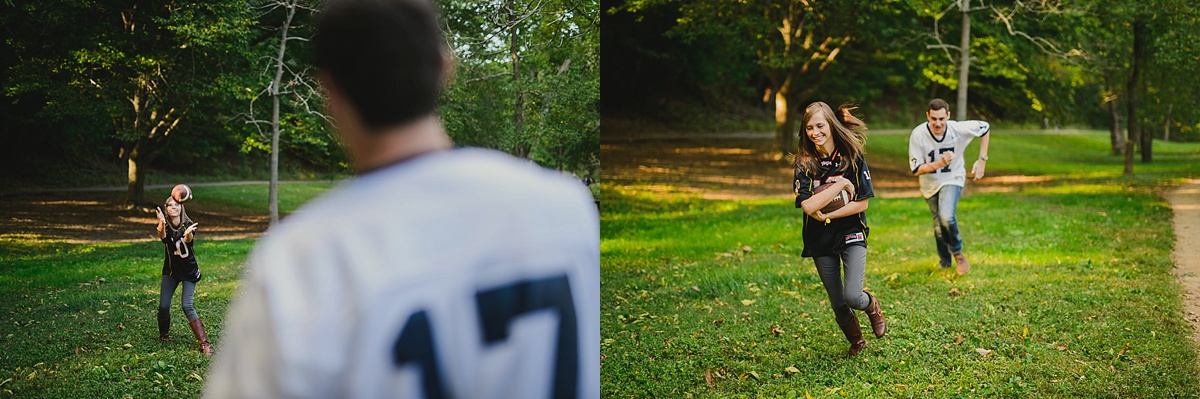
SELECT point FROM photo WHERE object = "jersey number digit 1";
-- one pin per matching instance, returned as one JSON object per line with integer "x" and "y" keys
{"x": 498, "y": 307}
{"x": 415, "y": 345}
{"x": 941, "y": 151}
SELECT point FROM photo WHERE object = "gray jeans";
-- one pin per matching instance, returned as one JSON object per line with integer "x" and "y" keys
{"x": 167, "y": 290}
{"x": 848, "y": 293}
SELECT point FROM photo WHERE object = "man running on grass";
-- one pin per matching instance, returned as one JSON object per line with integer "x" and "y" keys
{"x": 933, "y": 156}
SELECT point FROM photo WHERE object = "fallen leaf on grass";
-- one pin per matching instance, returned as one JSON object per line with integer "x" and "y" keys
{"x": 955, "y": 291}
{"x": 695, "y": 288}
{"x": 891, "y": 277}
{"x": 127, "y": 346}
{"x": 746, "y": 249}
{"x": 959, "y": 339}
{"x": 776, "y": 330}
{"x": 1062, "y": 347}
{"x": 101, "y": 311}
{"x": 792, "y": 370}
{"x": 984, "y": 352}
{"x": 901, "y": 386}
{"x": 1123, "y": 350}
{"x": 748, "y": 302}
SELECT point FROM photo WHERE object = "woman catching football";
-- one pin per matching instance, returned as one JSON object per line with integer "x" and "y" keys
{"x": 177, "y": 231}
{"x": 836, "y": 239}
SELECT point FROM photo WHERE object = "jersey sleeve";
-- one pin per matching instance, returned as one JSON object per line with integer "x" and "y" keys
{"x": 972, "y": 129}
{"x": 863, "y": 189}
{"x": 802, "y": 185}
{"x": 267, "y": 348}
{"x": 916, "y": 154}
{"x": 243, "y": 367}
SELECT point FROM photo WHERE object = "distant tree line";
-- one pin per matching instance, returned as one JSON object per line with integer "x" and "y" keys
{"x": 1122, "y": 65}
{"x": 127, "y": 86}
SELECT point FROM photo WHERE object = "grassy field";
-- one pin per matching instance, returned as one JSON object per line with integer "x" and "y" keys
{"x": 79, "y": 319}
{"x": 1070, "y": 294}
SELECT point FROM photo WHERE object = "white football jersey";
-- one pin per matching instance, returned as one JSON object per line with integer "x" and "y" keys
{"x": 459, "y": 274}
{"x": 924, "y": 148}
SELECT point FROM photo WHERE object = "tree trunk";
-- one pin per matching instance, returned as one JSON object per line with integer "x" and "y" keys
{"x": 1135, "y": 132}
{"x": 1116, "y": 139}
{"x": 136, "y": 193}
{"x": 964, "y": 66}
{"x": 273, "y": 191}
{"x": 1167, "y": 126}
{"x": 784, "y": 122}
{"x": 1147, "y": 145}
{"x": 1139, "y": 66}
{"x": 522, "y": 149}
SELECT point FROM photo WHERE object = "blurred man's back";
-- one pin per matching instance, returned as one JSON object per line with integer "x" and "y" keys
{"x": 438, "y": 272}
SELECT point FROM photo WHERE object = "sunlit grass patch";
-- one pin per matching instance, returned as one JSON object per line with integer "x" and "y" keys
{"x": 1070, "y": 294}
{"x": 79, "y": 319}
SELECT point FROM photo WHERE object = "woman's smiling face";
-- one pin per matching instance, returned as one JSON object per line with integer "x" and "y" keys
{"x": 172, "y": 208}
{"x": 817, "y": 130}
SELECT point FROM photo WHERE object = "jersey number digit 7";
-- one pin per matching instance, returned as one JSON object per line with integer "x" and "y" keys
{"x": 497, "y": 308}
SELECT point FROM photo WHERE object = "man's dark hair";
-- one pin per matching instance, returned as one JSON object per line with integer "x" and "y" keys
{"x": 937, "y": 104}
{"x": 385, "y": 55}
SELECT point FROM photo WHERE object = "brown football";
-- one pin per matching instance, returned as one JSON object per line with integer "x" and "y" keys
{"x": 838, "y": 201}
{"x": 182, "y": 193}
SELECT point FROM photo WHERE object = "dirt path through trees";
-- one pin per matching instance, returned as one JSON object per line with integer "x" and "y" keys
{"x": 1185, "y": 201}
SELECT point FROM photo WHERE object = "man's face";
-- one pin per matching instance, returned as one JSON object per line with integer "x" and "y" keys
{"x": 937, "y": 121}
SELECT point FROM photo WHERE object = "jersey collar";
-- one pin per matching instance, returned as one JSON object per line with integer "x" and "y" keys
{"x": 927, "y": 129}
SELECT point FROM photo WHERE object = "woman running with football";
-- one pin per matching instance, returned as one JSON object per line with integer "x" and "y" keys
{"x": 828, "y": 162}
{"x": 179, "y": 266}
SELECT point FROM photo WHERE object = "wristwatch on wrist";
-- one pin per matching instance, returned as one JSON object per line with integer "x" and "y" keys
{"x": 983, "y": 157}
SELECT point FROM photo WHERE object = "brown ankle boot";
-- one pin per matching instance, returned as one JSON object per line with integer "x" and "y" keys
{"x": 854, "y": 335}
{"x": 878, "y": 324}
{"x": 961, "y": 263}
{"x": 198, "y": 329}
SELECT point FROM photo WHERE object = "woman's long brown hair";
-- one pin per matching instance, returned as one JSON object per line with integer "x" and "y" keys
{"x": 849, "y": 135}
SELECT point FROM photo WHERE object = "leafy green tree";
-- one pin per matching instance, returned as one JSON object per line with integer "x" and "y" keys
{"x": 793, "y": 43}
{"x": 146, "y": 67}
{"x": 1152, "y": 34}
{"x": 999, "y": 39}
{"x": 290, "y": 84}
{"x": 527, "y": 79}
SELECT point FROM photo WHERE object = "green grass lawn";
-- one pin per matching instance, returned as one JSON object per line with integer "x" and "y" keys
{"x": 1070, "y": 293}
{"x": 78, "y": 320}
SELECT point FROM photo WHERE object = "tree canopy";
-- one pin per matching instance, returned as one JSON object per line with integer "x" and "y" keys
{"x": 120, "y": 87}
{"x": 1041, "y": 64}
